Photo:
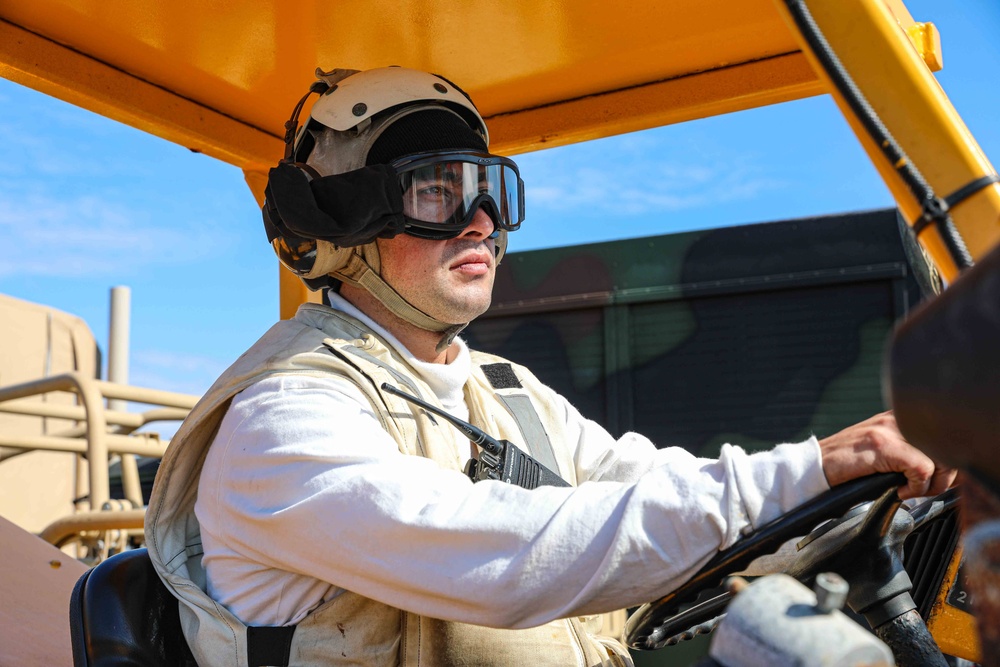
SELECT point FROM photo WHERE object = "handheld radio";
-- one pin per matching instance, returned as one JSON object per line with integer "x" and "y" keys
{"x": 499, "y": 460}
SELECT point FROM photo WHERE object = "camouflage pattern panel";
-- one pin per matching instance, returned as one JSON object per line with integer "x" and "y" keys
{"x": 754, "y": 335}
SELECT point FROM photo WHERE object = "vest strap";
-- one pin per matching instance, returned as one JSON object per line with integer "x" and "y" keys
{"x": 269, "y": 646}
{"x": 502, "y": 376}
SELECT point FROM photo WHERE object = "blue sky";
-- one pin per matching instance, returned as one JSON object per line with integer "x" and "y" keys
{"x": 87, "y": 203}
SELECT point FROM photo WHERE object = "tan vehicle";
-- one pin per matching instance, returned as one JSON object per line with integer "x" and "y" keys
{"x": 219, "y": 79}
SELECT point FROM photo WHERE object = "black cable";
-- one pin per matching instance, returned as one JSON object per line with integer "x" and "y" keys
{"x": 935, "y": 209}
{"x": 292, "y": 124}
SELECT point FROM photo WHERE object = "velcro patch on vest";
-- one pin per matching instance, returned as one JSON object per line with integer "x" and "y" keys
{"x": 501, "y": 376}
{"x": 269, "y": 646}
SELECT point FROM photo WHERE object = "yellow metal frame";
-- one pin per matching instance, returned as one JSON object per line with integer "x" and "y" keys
{"x": 954, "y": 630}
{"x": 875, "y": 41}
{"x": 901, "y": 88}
{"x": 54, "y": 69}
{"x": 727, "y": 89}
{"x": 583, "y": 87}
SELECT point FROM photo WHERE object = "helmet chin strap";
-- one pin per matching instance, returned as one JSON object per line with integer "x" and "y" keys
{"x": 360, "y": 274}
{"x": 361, "y": 266}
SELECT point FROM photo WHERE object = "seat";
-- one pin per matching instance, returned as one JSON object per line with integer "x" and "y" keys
{"x": 121, "y": 615}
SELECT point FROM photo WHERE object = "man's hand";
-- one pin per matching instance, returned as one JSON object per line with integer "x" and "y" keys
{"x": 876, "y": 445}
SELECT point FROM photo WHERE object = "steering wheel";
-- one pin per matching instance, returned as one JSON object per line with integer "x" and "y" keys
{"x": 656, "y": 624}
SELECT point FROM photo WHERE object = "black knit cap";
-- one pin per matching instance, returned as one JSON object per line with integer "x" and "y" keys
{"x": 422, "y": 132}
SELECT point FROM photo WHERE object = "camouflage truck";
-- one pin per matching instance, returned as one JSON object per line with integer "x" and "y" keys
{"x": 753, "y": 334}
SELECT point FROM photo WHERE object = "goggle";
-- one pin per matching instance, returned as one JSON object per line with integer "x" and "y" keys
{"x": 442, "y": 191}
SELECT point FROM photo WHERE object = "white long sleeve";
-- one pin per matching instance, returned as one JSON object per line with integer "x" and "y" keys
{"x": 303, "y": 494}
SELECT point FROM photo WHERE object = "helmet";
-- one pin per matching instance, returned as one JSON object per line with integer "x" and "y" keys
{"x": 370, "y": 136}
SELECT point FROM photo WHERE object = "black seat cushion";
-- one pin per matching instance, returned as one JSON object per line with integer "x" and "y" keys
{"x": 121, "y": 615}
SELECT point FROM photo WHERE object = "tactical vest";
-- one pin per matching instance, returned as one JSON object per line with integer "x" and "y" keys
{"x": 351, "y": 629}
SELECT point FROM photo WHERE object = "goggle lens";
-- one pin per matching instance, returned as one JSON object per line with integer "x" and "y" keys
{"x": 442, "y": 192}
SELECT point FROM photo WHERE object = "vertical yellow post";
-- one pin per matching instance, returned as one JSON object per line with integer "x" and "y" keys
{"x": 887, "y": 55}
{"x": 292, "y": 292}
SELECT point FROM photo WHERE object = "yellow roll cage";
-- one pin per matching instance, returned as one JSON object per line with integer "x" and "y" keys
{"x": 219, "y": 78}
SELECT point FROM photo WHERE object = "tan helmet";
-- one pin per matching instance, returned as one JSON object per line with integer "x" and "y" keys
{"x": 341, "y": 137}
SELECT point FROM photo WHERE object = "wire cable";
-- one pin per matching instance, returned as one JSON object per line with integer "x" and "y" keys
{"x": 934, "y": 208}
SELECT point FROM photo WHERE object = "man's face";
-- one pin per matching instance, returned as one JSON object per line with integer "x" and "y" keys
{"x": 452, "y": 280}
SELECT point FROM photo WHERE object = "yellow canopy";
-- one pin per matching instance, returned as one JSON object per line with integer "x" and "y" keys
{"x": 220, "y": 78}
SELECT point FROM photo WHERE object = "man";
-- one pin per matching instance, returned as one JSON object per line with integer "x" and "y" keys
{"x": 301, "y": 495}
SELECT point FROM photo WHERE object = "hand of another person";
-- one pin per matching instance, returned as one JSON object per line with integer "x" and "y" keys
{"x": 876, "y": 445}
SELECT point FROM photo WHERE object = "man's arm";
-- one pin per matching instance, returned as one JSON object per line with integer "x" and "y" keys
{"x": 305, "y": 482}
{"x": 872, "y": 446}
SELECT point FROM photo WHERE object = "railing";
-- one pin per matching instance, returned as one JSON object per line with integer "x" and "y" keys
{"x": 98, "y": 434}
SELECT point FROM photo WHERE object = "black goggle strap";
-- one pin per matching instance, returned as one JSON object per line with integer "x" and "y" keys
{"x": 422, "y": 230}
{"x": 292, "y": 124}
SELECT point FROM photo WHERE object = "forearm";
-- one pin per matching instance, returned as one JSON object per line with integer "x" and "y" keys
{"x": 769, "y": 483}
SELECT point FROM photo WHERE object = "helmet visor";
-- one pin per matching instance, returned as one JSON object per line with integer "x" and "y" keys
{"x": 442, "y": 192}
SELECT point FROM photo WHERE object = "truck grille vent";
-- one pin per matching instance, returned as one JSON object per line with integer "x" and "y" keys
{"x": 926, "y": 554}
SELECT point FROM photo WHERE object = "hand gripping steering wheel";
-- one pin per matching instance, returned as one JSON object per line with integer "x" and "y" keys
{"x": 656, "y": 624}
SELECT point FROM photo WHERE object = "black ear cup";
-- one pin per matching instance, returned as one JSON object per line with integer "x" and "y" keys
{"x": 349, "y": 209}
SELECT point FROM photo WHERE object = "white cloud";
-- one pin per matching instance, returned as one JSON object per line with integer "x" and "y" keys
{"x": 617, "y": 176}
{"x": 643, "y": 188}
{"x": 172, "y": 371}
{"x": 34, "y": 156}
{"x": 185, "y": 363}
{"x": 44, "y": 234}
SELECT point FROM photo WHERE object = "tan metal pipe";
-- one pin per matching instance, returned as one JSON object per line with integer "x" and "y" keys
{"x": 131, "y": 486}
{"x": 130, "y": 419}
{"x": 91, "y": 393}
{"x": 97, "y": 447}
{"x": 118, "y": 340}
{"x": 60, "y": 531}
{"x": 112, "y": 444}
{"x": 143, "y": 395}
